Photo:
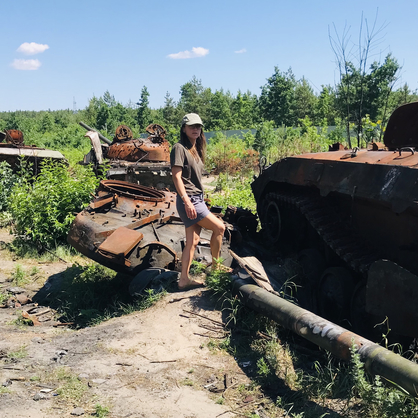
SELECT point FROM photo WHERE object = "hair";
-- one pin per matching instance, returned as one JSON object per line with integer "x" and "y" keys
{"x": 199, "y": 150}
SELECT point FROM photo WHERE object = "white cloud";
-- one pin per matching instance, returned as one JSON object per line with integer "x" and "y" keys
{"x": 194, "y": 53}
{"x": 241, "y": 51}
{"x": 32, "y": 48}
{"x": 19, "y": 64}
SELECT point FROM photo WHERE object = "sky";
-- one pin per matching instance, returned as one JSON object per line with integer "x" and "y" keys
{"x": 59, "y": 54}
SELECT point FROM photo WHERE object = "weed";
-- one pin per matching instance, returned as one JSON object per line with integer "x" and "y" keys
{"x": 220, "y": 401}
{"x": 187, "y": 382}
{"x": 18, "y": 354}
{"x": 4, "y": 390}
{"x": 35, "y": 378}
{"x": 3, "y": 298}
{"x": 21, "y": 320}
{"x": 34, "y": 270}
{"x": 197, "y": 268}
{"x": 71, "y": 388}
{"x": 263, "y": 370}
{"x": 101, "y": 411}
{"x": 191, "y": 371}
{"x": 18, "y": 276}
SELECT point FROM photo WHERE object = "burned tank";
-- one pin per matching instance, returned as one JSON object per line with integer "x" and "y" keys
{"x": 144, "y": 161}
{"x": 351, "y": 216}
{"x": 13, "y": 149}
{"x": 129, "y": 228}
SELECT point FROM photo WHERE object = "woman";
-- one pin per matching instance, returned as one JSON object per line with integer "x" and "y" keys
{"x": 187, "y": 161}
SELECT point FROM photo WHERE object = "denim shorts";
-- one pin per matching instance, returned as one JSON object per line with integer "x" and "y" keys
{"x": 200, "y": 206}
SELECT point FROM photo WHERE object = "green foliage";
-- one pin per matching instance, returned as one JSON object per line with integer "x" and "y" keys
{"x": 50, "y": 202}
{"x": 71, "y": 388}
{"x": 91, "y": 294}
{"x": 264, "y": 137}
{"x": 7, "y": 180}
{"x": 19, "y": 276}
{"x": 101, "y": 411}
{"x": 233, "y": 191}
{"x": 144, "y": 113}
{"x": 277, "y": 100}
{"x": 230, "y": 155}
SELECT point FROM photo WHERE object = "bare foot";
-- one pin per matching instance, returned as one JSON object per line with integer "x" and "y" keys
{"x": 189, "y": 284}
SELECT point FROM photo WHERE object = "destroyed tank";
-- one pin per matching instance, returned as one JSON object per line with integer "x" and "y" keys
{"x": 13, "y": 149}
{"x": 144, "y": 161}
{"x": 129, "y": 228}
{"x": 351, "y": 216}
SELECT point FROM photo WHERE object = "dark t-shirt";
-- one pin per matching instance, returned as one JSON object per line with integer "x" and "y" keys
{"x": 191, "y": 169}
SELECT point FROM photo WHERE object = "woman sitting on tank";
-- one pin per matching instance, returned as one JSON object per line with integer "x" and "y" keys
{"x": 187, "y": 162}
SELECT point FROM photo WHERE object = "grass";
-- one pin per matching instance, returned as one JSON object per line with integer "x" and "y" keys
{"x": 91, "y": 294}
{"x": 289, "y": 379}
{"x": 4, "y": 298}
{"x": 101, "y": 411}
{"x": 71, "y": 388}
{"x": 18, "y": 354}
{"x": 18, "y": 276}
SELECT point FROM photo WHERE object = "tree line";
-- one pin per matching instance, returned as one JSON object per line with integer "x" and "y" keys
{"x": 362, "y": 98}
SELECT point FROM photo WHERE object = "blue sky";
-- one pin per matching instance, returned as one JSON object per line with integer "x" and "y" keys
{"x": 79, "y": 49}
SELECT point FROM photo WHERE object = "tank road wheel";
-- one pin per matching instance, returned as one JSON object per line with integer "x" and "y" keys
{"x": 272, "y": 224}
{"x": 334, "y": 294}
{"x": 312, "y": 264}
{"x": 364, "y": 323}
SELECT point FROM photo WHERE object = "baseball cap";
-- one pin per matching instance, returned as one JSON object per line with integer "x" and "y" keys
{"x": 192, "y": 119}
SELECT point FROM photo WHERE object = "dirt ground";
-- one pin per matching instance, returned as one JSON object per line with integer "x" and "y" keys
{"x": 154, "y": 363}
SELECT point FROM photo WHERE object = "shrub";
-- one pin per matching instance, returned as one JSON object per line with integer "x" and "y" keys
{"x": 43, "y": 209}
{"x": 7, "y": 180}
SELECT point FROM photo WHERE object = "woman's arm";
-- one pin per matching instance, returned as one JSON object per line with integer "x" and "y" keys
{"x": 181, "y": 190}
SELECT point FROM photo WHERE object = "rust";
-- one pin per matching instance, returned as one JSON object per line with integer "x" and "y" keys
{"x": 14, "y": 149}
{"x": 145, "y": 161}
{"x": 130, "y": 227}
{"x": 356, "y": 208}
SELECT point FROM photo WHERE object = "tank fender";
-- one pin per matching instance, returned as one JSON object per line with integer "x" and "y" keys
{"x": 392, "y": 292}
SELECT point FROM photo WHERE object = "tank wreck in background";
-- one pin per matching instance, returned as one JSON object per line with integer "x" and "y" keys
{"x": 13, "y": 149}
{"x": 144, "y": 161}
{"x": 352, "y": 217}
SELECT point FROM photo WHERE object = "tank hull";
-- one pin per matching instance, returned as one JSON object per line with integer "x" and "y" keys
{"x": 359, "y": 210}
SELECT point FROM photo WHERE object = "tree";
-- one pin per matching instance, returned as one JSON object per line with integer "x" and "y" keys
{"x": 277, "y": 99}
{"x": 194, "y": 98}
{"x": 220, "y": 116}
{"x": 304, "y": 100}
{"x": 325, "y": 107}
{"x": 245, "y": 110}
{"x": 169, "y": 111}
{"x": 362, "y": 87}
{"x": 144, "y": 112}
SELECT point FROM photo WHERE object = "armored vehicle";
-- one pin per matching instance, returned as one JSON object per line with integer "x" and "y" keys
{"x": 351, "y": 216}
{"x": 13, "y": 149}
{"x": 130, "y": 228}
{"x": 144, "y": 161}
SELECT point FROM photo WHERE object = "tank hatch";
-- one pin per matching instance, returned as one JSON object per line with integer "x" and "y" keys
{"x": 402, "y": 127}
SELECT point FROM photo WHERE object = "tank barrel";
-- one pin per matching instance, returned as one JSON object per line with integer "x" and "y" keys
{"x": 103, "y": 138}
{"x": 329, "y": 336}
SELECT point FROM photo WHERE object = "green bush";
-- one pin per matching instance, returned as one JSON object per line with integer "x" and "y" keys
{"x": 7, "y": 180}
{"x": 43, "y": 209}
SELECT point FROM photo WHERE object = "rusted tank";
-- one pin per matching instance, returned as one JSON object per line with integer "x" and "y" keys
{"x": 351, "y": 216}
{"x": 129, "y": 228}
{"x": 13, "y": 149}
{"x": 144, "y": 161}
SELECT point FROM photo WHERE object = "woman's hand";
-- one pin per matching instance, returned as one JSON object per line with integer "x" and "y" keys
{"x": 190, "y": 209}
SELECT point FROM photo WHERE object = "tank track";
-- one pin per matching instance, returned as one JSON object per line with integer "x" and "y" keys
{"x": 334, "y": 232}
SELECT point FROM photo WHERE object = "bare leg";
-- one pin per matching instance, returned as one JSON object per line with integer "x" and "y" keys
{"x": 217, "y": 227}
{"x": 192, "y": 240}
